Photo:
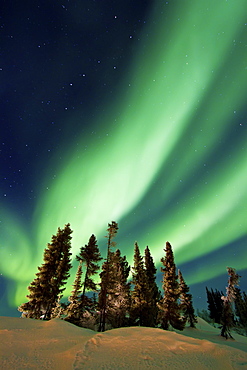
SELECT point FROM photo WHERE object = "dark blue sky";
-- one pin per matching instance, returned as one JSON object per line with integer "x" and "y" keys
{"x": 146, "y": 98}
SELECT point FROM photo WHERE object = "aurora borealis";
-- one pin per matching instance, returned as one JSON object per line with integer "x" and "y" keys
{"x": 129, "y": 113}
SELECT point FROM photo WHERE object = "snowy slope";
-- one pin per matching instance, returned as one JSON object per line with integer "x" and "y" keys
{"x": 55, "y": 344}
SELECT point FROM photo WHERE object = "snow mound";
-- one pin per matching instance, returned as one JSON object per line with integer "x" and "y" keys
{"x": 57, "y": 344}
{"x": 37, "y": 344}
{"x": 149, "y": 348}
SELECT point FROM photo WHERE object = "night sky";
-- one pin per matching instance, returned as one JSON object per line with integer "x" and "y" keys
{"x": 132, "y": 111}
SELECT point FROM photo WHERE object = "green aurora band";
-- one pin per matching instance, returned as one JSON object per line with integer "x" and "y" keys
{"x": 174, "y": 115}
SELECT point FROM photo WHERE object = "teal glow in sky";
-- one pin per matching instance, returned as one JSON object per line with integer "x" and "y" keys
{"x": 166, "y": 158}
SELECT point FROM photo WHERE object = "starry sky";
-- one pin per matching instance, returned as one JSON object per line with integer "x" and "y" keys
{"x": 126, "y": 111}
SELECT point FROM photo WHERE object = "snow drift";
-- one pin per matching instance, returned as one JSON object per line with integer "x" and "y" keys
{"x": 56, "y": 344}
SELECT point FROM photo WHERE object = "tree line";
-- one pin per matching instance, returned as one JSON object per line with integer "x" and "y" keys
{"x": 117, "y": 300}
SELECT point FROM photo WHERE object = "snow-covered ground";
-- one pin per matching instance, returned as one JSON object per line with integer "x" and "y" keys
{"x": 56, "y": 344}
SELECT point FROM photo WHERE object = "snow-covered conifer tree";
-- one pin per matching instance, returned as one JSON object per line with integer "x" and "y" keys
{"x": 139, "y": 294}
{"x": 227, "y": 319}
{"x": 169, "y": 308}
{"x": 72, "y": 310}
{"x": 186, "y": 304}
{"x": 118, "y": 298}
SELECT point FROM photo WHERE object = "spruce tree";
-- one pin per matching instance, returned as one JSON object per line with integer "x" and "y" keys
{"x": 227, "y": 319}
{"x": 48, "y": 285}
{"x": 186, "y": 304}
{"x": 58, "y": 311}
{"x": 241, "y": 309}
{"x": 218, "y": 304}
{"x": 139, "y": 294}
{"x": 153, "y": 293}
{"x": 118, "y": 298}
{"x": 80, "y": 303}
{"x": 90, "y": 258}
{"x": 72, "y": 309}
{"x": 105, "y": 275}
{"x": 64, "y": 265}
{"x": 215, "y": 304}
{"x": 211, "y": 305}
{"x": 169, "y": 307}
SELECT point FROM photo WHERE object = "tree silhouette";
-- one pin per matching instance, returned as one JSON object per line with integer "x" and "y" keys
{"x": 90, "y": 257}
{"x": 186, "y": 305}
{"x": 241, "y": 308}
{"x": 153, "y": 293}
{"x": 105, "y": 276}
{"x": 48, "y": 286}
{"x": 215, "y": 304}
